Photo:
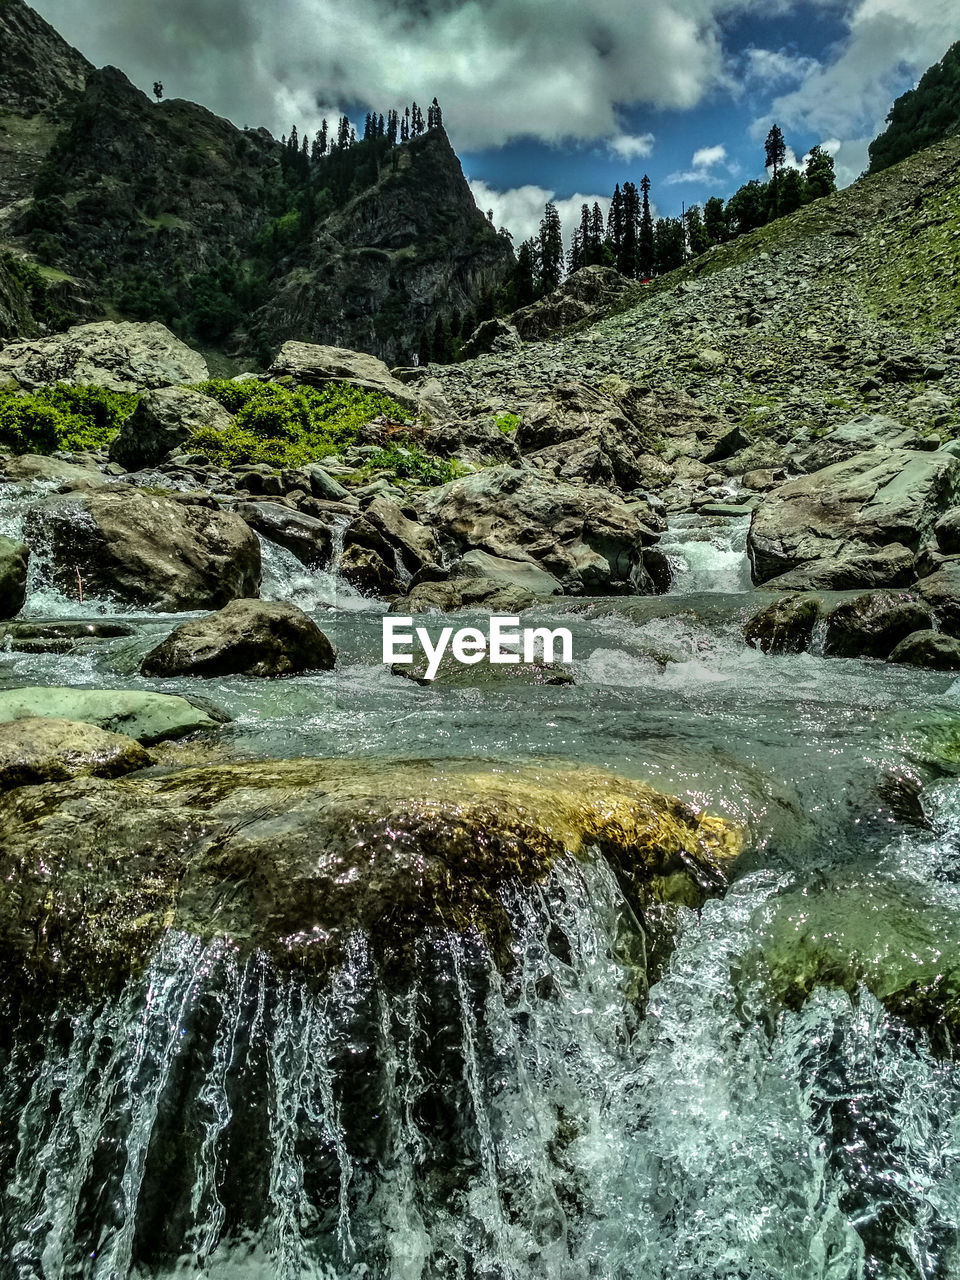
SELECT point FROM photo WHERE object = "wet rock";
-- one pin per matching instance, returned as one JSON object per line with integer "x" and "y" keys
{"x": 145, "y": 549}
{"x": 414, "y": 543}
{"x": 928, "y": 649}
{"x": 851, "y": 570}
{"x": 247, "y": 637}
{"x": 163, "y": 421}
{"x": 60, "y": 637}
{"x": 850, "y": 510}
{"x": 46, "y": 749}
{"x": 489, "y": 596}
{"x": 294, "y": 857}
{"x": 947, "y": 532}
{"x": 870, "y": 932}
{"x": 506, "y": 573}
{"x": 325, "y": 487}
{"x": 941, "y": 591}
{"x": 26, "y": 467}
{"x": 588, "y": 540}
{"x": 309, "y": 539}
{"x": 786, "y": 626}
{"x": 872, "y": 625}
{"x": 14, "y": 557}
{"x": 316, "y": 366}
{"x": 122, "y": 356}
{"x": 369, "y": 572}
{"x": 148, "y": 717}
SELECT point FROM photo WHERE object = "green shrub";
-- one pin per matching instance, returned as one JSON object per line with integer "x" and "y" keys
{"x": 508, "y": 422}
{"x": 288, "y": 428}
{"x": 410, "y": 463}
{"x": 67, "y": 418}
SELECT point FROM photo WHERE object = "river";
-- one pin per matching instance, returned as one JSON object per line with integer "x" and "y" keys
{"x": 547, "y": 1122}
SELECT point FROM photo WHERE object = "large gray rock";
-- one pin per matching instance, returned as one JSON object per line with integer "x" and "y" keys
{"x": 872, "y": 625}
{"x": 148, "y": 717}
{"x": 928, "y": 649}
{"x": 852, "y": 508}
{"x": 582, "y": 435}
{"x": 122, "y": 356}
{"x": 13, "y": 576}
{"x": 315, "y": 366}
{"x": 587, "y": 539}
{"x": 491, "y": 335}
{"x": 165, "y": 420}
{"x": 947, "y": 532}
{"x": 851, "y": 570}
{"x": 509, "y": 573}
{"x": 45, "y": 749}
{"x": 145, "y": 549}
{"x": 941, "y": 591}
{"x": 859, "y": 435}
{"x": 247, "y": 637}
{"x": 584, "y": 295}
{"x": 786, "y": 626}
{"x": 307, "y": 537}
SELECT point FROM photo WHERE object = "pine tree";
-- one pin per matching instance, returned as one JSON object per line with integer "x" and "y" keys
{"x": 793, "y": 191}
{"x": 525, "y": 274}
{"x": 551, "y": 249}
{"x": 293, "y": 142}
{"x": 381, "y": 127}
{"x": 747, "y": 208}
{"x": 416, "y": 121}
{"x": 576, "y": 254}
{"x": 697, "y": 240}
{"x": 405, "y": 126}
{"x": 393, "y": 127}
{"x": 668, "y": 244}
{"x": 775, "y": 150}
{"x": 425, "y": 350}
{"x": 434, "y": 116}
{"x": 615, "y": 224}
{"x": 594, "y": 254}
{"x": 368, "y": 127}
{"x": 343, "y": 134}
{"x": 158, "y": 89}
{"x": 820, "y": 175}
{"x": 322, "y": 137}
{"x": 645, "y": 246}
{"x": 442, "y": 343}
{"x": 715, "y": 221}
{"x": 629, "y": 263}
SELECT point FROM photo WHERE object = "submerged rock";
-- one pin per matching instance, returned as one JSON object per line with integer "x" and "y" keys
{"x": 13, "y": 576}
{"x": 148, "y": 717}
{"x": 145, "y": 549}
{"x": 247, "y": 637}
{"x": 46, "y": 749}
{"x": 873, "y": 933}
{"x": 293, "y": 857}
{"x": 60, "y": 637}
{"x": 786, "y": 626}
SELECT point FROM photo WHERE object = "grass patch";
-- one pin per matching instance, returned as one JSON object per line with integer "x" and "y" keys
{"x": 69, "y": 419}
{"x": 409, "y": 462}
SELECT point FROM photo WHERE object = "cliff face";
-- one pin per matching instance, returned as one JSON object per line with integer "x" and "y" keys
{"x": 167, "y": 212}
{"x": 408, "y": 246}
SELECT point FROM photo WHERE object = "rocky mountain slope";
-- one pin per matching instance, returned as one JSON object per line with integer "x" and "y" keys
{"x": 164, "y": 211}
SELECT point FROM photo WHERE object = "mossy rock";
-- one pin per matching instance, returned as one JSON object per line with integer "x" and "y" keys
{"x": 786, "y": 626}
{"x": 293, "y": 857}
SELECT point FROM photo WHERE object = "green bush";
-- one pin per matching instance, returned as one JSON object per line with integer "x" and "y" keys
{"x": 288, "y": 428}
{"x": 508, "y": 422}
{"x": 67, "y": 418}
{"x": 410, "y": 463}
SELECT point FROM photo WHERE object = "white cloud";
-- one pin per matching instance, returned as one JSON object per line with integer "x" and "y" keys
{"x": 521, "y": 208}
{"x": 631, "y": 146}
{"x": 777, "y": 66}
{"x": 500, "y": 68}
{"x": 847, "y": 100}
{"x": 708, "y": 164}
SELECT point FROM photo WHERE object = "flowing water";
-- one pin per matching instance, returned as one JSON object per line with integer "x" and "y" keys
{"x": 555, "y": 1119}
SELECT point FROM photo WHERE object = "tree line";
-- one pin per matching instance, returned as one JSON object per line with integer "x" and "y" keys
{"x": 640, "y": 246}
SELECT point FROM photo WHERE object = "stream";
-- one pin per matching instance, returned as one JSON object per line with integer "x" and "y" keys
{"x": 218, "y": 1119}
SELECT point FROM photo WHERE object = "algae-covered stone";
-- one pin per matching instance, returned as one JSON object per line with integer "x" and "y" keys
{"x": 13, "y": 576}
{"x": 293, "y": 857}
{"x": 888, "y": 938}
{"x": 786, "y": 626}
{"x": 46, "y": 749}
{"x": 148, "y": 717}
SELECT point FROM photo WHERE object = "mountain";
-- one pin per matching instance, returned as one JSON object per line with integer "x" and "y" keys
{"x": 922, "y": 116}
{"x": 146, "y": 210}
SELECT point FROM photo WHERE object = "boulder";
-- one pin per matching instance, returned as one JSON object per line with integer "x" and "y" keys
{"x": 61, "y": 637}
{"x": 293, "y": 858}
{"x": 947, "y": 532}
{"x": 316, "y": 366}
{"x": 13, "y": 576}
{"x": 872, "y": 625}
{"x": 121, "y": 356}
{"x": 477, "y": 440}
{"x": 492, "y": 335}
{"x": 247, "y": 637}
{"x": 368, "y": 571}
{"x": 145, "y": 549}
{"x": 584, "y": 537}
{"x": 46, "y": 749}
{"x": 324, "y": 486}
{"x": 859, "y": 435}
{"x": 414, "y": 543}
{"x": 308, "y": 538}
{"x": 165, "y": 420}
{"x": 786, "y": 626}
{"x": 148, "y": 717}
{"x": 941, "y": 591}
{"x": 851, "y": 509}
{"x": 584, "y": 295}
{"x": 24, "y": 468}
{"x": 851, "y": 570}
{"x": 928, "y": 649}
{"x": 480, "y": 594}
{"x": 525, "y": 574}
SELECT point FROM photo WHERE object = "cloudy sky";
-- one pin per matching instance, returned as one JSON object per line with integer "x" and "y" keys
{"x": 544, "y": 98}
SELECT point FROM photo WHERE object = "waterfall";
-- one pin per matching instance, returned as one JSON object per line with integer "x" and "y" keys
{"x": 287, "y": 578}
{"x": 707, "y": 555}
